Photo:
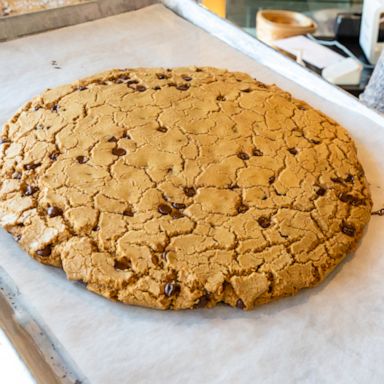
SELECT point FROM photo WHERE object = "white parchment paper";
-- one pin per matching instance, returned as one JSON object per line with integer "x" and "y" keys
{"x": 330, "y": 334}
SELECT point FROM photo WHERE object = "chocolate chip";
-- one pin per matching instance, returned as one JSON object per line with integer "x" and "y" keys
{"x": 55, "y": 108}
{"x": 31, "y": 166}
{"x": 164, "y": 209}
{"x": 349, "y": 178}
{"x": 243, "y": 156}
{"x": 171, "y": 289}
{"x": 54, "y": 211}
{"x": 18, "y": 238}
{"x": 264, "y": 221}
{"x": 198, "y": 70}
{"x": 315, "y": 141}
{"x": 112, "y": 140}
{"x": 292, "y": 151}
{"x": 126, "y": 136}
{"x": 129, "y": 82}
{"x": 161, "y": 76}
{"x": 17, "y": 175}
{"x": 186, "y": 78}
{"x": 256, "y": 152}
{"x": 169, "y": 70}
{"x": 122, "y": 264}
{"x": 337, "y": 180}
{"x": 220, "y": 98}
{"x": 302, "y": 108}
{"x": 271, "y": 180}
{"x": 44, "y": 252}
{"x": 128, "y": 212}
{"x": 54, "y": 155}
{"x": 190, "y": 191}
{"x": 81, "y": 159}
{"x": 30, "y": 190}
{"x": 240, "y": 304}
{"x": 350, "y": 199}
{"x": 36, "y": 108}
{"x": 162, "y": 129}
{"x": 321, "y": 191}
{"x": 182, "y": 87}
{"x": 96, "y": 228}
{"x": 178, "y": 205}
{"x": 177, "y": 215}
{"x": 246, "y": 90}
{"x": 119, "y": 151}
{"x": 141, "y": 88}
{"x": 82, "y": 88}
{"x": 157, "y": 87}
{"x": 242, "y": 208}
{"x": 348, "y": 229}
{"x": 233, "y": 186}
{"x": 203, "y": 301}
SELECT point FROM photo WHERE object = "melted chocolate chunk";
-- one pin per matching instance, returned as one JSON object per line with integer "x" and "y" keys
{"x": 190, "y": 191}
{"x": 182, "y": 87}
{"x": 292, "y": 151}
{"x": 81, "y": 159}
{"x": 257, "y": 152}
{"x": 164, "y": 209}
{"x": 349, "y": 178}
{"x": 240, "y": 304}
{"x": 119, "y": 151}
{"x": 128, "y": 212}
{"x": 31, "y": 166}
{"x": 203, "y": 301}
{"x": 350, "y": 199}
{"x": 243, "y": 156}
{"x": 321, "y": 191}
{"x": 141, "y": 88}
{"x": 177, "y": 215}
{"x": 162, "y": 129}
{"x": 30, "y": 190}
{"x": 122, "y": 264}
{"x": 54, "y": 211}
{"x": 178, "y": 205}
{"x": 348, "y": 229}
{"x": 337, "y": 180}
{"x": 55, "y": 108}
{"x": 54, "y": 155}
{"x": 44, "y": 252}
{"x": 242, "y": 208}
{"x": 171, "y": 289}
{"x": 264, "y": 221}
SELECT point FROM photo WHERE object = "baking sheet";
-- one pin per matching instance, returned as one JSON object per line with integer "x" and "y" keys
{"x": 333, "y": 333}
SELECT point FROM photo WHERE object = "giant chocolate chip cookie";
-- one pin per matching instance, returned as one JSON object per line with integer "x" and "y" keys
{"x": 180, "y": 188}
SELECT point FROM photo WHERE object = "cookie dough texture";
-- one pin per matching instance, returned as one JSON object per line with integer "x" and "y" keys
{"x": 181, "y": 188}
